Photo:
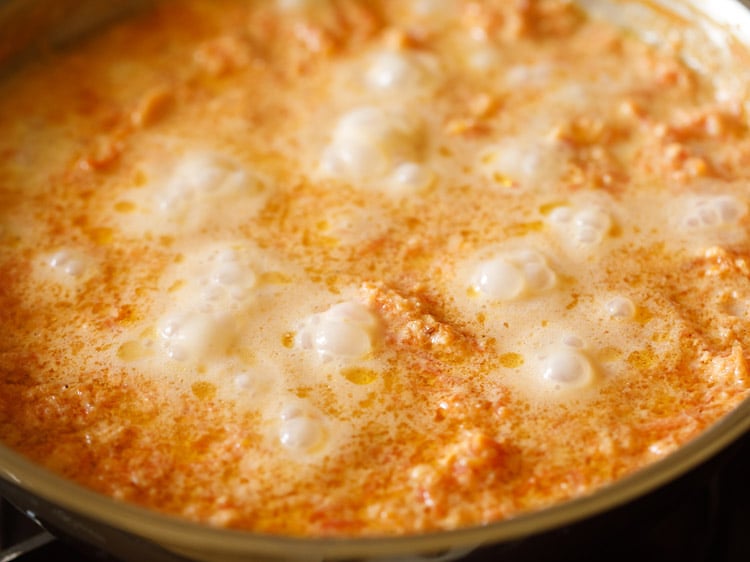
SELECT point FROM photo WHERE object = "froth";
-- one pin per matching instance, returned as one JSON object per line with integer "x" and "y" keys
{"x": 712, "y": 212}
{"x": 523, "y": 162}
{"x": 582, "y": 225}
{"x": 511, "y": 275}
{"x": 183, "y": 193}
{"x": 401, "y": 72}
{"x": 567, "y": 368}
{"x": 368, "y": 144}
{"x": 347, "y": 329}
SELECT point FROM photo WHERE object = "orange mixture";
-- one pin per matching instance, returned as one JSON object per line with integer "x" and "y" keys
{"x": 356, "y": 268}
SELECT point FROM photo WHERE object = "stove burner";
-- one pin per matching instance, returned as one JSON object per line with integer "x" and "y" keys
{"x": 22, "y": 539}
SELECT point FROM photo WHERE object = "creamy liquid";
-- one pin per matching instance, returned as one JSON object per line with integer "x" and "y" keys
{"x": 363, "y": 268}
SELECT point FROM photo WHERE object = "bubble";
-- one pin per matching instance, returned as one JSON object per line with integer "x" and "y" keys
{"x": 522, "y": 162}
{"x": 712, "y": 212}
{"x": 509, "y": 276}
{"x": 499, "y": 279}
{"x": 298, "y": 5}
{"x": 399, "y": 72}
{"x": 346, "y": 330}
{"x": 586, "y": 225}
{"x": 561, "y": 215}
{"x": 302, "y": 429}
{"x": 301, "y": 434}
{"x": 411, "y": 177}
{"x": 483, "y": 58}
{"x": 620, "y": 307}
{"x": 369, "y": 143}
{"x": 341, "y": 338}
{"x": 217, "y": 278}
{"x": 195, "y": 335}
{"x": 572, "y": 341}
{"x": 201, "y": 175}
{"x": 372, "y": 124}
{"x": 68, "y": 263}
{"x": 256, "y": 381}
{"x": 433, "y": 8}
{"x": 357, "y": 159}
{"x": 243, "y": 381}
{"x": 567, "y": 368}
{"x": 535, "y": 76}
{"x": 539, "y": 277}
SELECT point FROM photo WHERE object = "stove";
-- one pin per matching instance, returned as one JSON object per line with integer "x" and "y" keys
{"x": 703, "y": 516}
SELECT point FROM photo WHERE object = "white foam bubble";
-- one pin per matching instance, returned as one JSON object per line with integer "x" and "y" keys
{"x": 573, "y": 341}
{"x": 411, "y": 177}
{"x": 620, "y": 307}
{"x": 522, "y": 162}
{"x": 257, "y": 381}
{"x": 357, "y": 160}
{"x": 302, "y": 430}
{"x": 299, "y": 5}
{"x": 499, "y": 279}
{"x": 195, "y": 336}
{"x": 529, "y": 75}
{"x": 567, "y": 368}
{"x": 68, "y": 262}
{"x": 209, "y": 296}
{"x": 509, "y": 276}
{"x": 401, "y": 72}
{"x": 433, "y": 10}
{"x": 483, "y": 57}
{"x": 347, "y": 329}
{"x": 584, "y": 224}
{"x": 201, "y": 175}
{"x": 369, "y": 143}
{"x": 301, "y": 434}
{"x": 227, "y": 279}
{"x": 712, "y": 212}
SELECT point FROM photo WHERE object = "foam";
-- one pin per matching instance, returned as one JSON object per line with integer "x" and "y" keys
{"x": 346, "y": 329}
{"x": 180, "y": 193}
{"x": 401, "y": 73}
{"x": 369, "y": 143}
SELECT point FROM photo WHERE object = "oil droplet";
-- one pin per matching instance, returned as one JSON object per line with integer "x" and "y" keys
{"x": 547, "y": 208}
{"x": 101, "y": 236}
{"x": 359, "y": 375}
{"x": 287, "y": 340}
{"x": 273, "y": 278}
{"x": 203, "y": 390}
{"x": 661, "y": 336}
{"x": 642, "y": 359}
{"x": 643, "y": 315}
{"x": 132, "y": 351}
{"x": 523, "y": 228}
{"x": 502, "y": 179}
{"x": 369, "y": 401}
{"x": 139, "y": 178}
{"x": 511, "y": 360}
{"x": 124, "y": 206}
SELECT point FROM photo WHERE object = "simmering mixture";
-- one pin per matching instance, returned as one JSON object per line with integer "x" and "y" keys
{"x": 355, "y": 268}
